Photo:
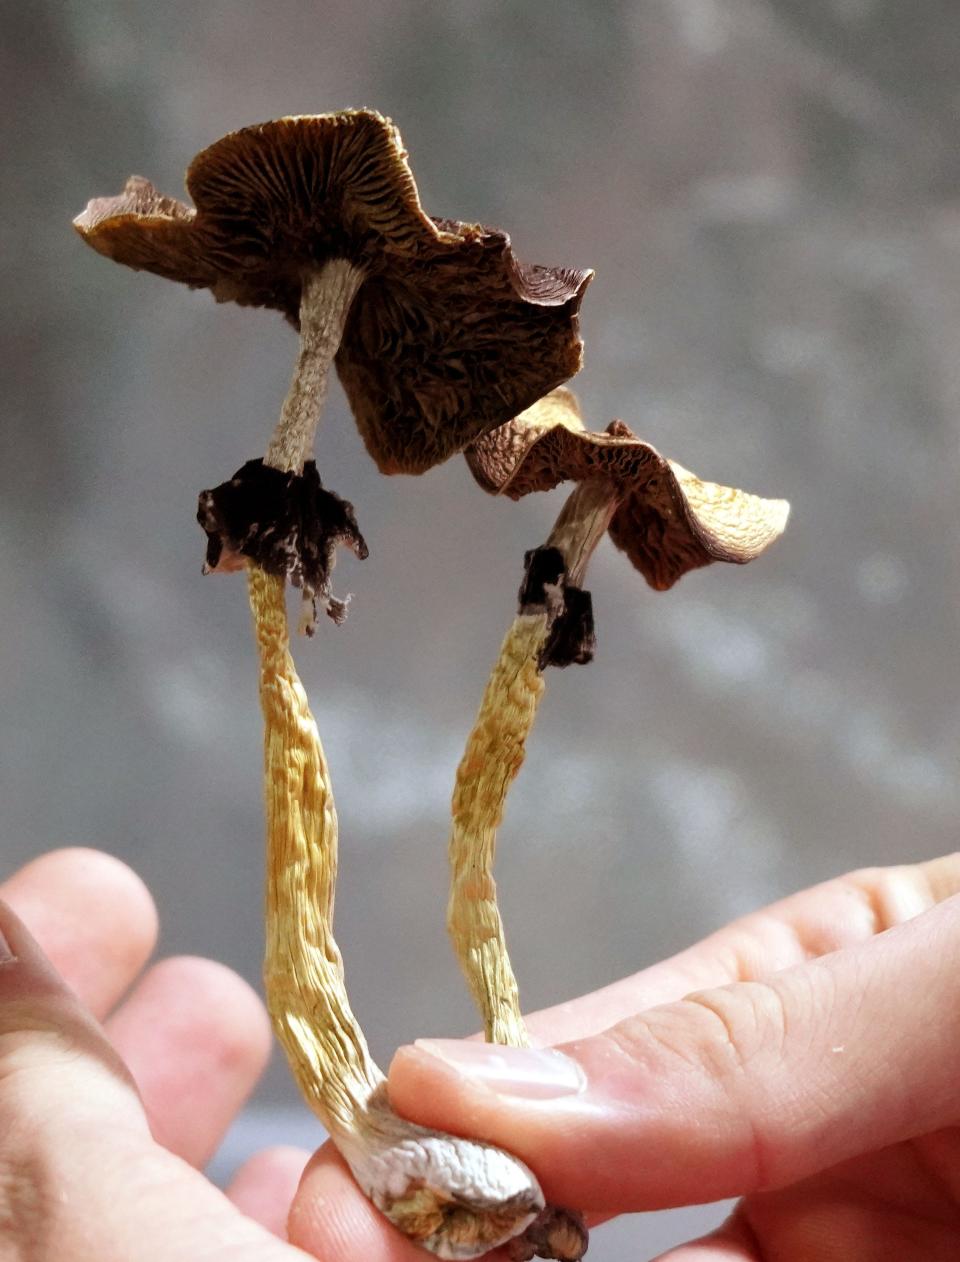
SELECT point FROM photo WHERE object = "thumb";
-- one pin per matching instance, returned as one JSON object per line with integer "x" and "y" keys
{"x": 57, "y": 1069}
{"x": 748, "y": 1086}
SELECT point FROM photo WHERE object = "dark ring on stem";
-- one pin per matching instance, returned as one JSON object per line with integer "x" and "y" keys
{"x": 286, "y": 523}
{"x": 572, "y": 638}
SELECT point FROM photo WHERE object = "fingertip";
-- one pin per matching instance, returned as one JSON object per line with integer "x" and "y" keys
{"x": 425, "y": 1086}
{"x": 588, "y": 1118}
{"x": 413, "y": 1078}
{"x": 92, "y": 915}
{"x": 88, "y": 873}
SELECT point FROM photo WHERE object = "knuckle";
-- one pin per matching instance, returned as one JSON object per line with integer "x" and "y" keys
{"x": 731, "y": 1041}
{"x": 889, "y": 896}
{"x": 942, "y": 876}
{"x": 719, "y": 1032}
{"x": 740, "y": 1024}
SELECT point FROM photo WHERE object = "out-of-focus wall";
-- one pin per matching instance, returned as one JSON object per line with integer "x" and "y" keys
{"x": 768, "y": 191}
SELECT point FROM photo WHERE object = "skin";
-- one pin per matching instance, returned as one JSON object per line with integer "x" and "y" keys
{"x": 804, "y": 1058}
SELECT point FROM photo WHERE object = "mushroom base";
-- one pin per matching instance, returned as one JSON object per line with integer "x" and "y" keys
{"x": 288, "y": 525}
{"x": 555, "y": 1233}
{"x": 455, "y": 1197}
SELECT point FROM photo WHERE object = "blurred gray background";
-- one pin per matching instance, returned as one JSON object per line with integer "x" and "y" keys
{"x": 768, "y": 190}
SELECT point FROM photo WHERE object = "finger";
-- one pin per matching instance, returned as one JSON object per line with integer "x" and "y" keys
{"x": 265, "y": 1185}
{"x": 819, "y": 920}
{"x": 730, "y": 1090}
{"x": 79, "y": 1175}
{"x": 887, "y": 1208}
{"x": 57, "y": 1070}
{"x": 196, "y": 1039}
{"x": 93, "y": 918}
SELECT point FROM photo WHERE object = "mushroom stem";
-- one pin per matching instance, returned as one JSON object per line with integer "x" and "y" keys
{"x": 455, "y": 1197}
{"x": 582, "y": 523}
{"x": 324, "y": 305}
{"x": 493, "y": 756}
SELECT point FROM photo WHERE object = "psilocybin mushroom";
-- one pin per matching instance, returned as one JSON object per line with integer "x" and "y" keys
{"x": 438, "y": 332}
{"x": 668, "y": 522}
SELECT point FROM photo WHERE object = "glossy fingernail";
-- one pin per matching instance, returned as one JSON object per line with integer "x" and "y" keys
{"x": 524, "y": 1073}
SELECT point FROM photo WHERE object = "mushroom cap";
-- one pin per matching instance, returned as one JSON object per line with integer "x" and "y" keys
{"x": 668, "y": 522}
{"x": 449, "y": 335}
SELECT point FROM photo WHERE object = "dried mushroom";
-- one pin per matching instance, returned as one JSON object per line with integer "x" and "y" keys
{"x": 443, "y": 342}
{"x": 668, "y": 522}
{"x": 438, "y": 332}
{"x": 663, "y": 517}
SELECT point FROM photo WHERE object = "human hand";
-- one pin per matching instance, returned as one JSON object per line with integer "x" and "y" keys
{"x": 103, "y": 1127}
{"x": 851, "y": 1153}
{"x": 812, "y": 1068}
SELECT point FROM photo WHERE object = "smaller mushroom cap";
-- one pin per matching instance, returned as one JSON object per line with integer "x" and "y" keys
{"x": 449, "y": 334}
{"x": 668, "y": 522}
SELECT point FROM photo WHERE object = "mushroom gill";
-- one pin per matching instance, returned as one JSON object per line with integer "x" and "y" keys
{"x": 666, "y": 519}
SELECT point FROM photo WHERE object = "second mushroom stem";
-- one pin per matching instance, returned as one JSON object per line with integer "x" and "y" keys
{"x": 494, "y": 754}
{"x": 325, "y": 301}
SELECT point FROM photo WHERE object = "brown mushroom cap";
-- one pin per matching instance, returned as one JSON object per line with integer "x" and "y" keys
{"x": 668, "y": 521}
{"x": 449, "y": 335}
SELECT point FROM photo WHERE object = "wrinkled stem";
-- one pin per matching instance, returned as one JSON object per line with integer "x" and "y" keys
{"x": 493, "y": 756}
{"x": 306, "y": 994}
{"x": 324, "y": 305}
{"x": 455, "y": 1197}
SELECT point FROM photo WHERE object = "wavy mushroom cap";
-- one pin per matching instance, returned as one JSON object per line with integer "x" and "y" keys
{"x": 668, "y": 522}
{"x": 449, "y": 335}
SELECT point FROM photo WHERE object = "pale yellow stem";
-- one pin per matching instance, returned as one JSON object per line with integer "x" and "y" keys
{"x": 493, "y": 756}
{"x": 455, "y": 1197}
{"x": 306, "y": 994}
